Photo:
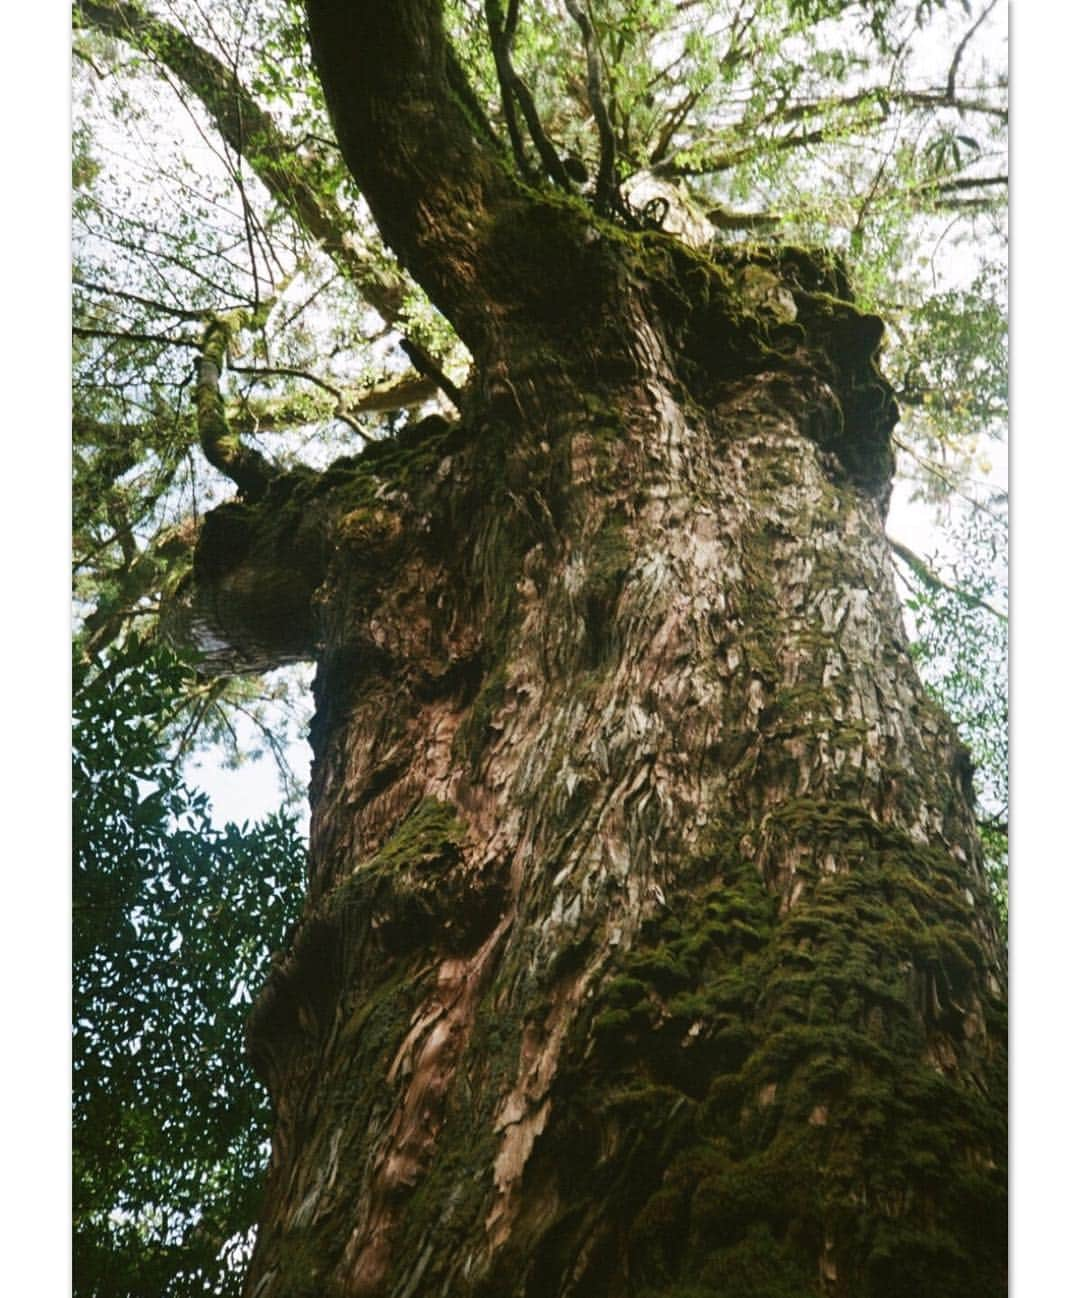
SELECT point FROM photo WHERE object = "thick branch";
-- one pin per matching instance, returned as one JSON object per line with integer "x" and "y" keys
{"x": 725, "y": 218}
{"x": 553, "y": 164}
{"x": 221, "y": 446}
{"x": 395, "y": 394}
{"x": 605, "y": 176}
{"x": 514, "y": 91}
{"x": 428, "y": 369}
{"x": 430, "y": 174}
{"x": 500, "y": 34}
{"x": 279, "y": 414}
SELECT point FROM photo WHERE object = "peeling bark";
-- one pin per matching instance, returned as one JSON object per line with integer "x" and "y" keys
{"x": 647, "y": 948}
{"x": 640, "y": 861}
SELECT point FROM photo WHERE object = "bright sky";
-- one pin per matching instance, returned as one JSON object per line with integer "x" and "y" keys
{"x": 252, "y": 790}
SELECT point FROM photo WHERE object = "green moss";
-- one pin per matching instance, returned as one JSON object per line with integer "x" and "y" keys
{"x": 417, "y": 887}
{"x": 799, "y": 1043}
{"x": 428, "y": 835}
{"x": 664, "y": 968}
{"x": 718, "y": 329}
{"x": 626, "y": 991}
{"x": 612, "y": 1028}
{"x": 758, "y": 1266}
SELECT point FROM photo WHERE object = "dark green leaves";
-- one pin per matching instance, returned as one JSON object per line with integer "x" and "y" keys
{"x": 173, "y": 924}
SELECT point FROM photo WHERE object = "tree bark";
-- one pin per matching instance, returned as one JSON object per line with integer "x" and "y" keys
{"x": 647, "y": 948}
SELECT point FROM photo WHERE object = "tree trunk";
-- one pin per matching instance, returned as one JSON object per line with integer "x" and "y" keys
{"x": 647, "y": 948}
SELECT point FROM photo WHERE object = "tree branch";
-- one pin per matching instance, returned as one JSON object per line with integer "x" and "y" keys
{"x": 397, "y": 394}
{"x": 553, "y": 164}
{"x": 943, "y": 477}
{"x": 252, "y": 133}
{"x": 221, "y": 446}
{"x": 430, "y": 174}
{"x": 606, "y": 195}
{"x": 935, "y": 194}
{"x": 668, "y": 170}
{"x": 500, "y": 34}
{"x": 962, "y": 182}
{"x": 162, "y": 308}
{"x": 671, "y": 124}
{"x": 954, "y": 67}
{"x": 725, "y": 218}
{"x": 881, "y": 95}
{"x": 923, "y": 570}
{"x": 134, "y": 336}
{"x": 512, "y": 88}
{"x": 428, "y": 368}
{"x": 753, "y": 127}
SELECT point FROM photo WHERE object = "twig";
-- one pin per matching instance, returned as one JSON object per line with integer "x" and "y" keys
{"x": 134, "y": 336}
{"x": 178, "y": 312}
{"x": 931, "y": 578}
{"x": 284, "y": 371}
{"x": 954, "y": 67}
{"x": 942, "y": 476}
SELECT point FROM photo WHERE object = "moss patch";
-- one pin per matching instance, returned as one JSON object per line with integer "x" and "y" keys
{"x": 776, "y": 1080}
{"x": 430, "y": 836}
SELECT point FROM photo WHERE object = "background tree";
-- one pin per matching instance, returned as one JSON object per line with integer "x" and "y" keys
{"x": 174, "y": 922}
{"x": 653, "y": 127}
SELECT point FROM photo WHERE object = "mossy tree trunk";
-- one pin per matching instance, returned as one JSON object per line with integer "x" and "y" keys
{"x": 647, "y": 948}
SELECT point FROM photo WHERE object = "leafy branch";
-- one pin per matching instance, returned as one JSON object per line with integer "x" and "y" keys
{"x": 931, "y": 578}
{"x": 252, "y": 133}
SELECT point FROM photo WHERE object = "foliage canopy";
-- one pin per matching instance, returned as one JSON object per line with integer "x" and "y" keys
{"x": 173, "y": 923}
